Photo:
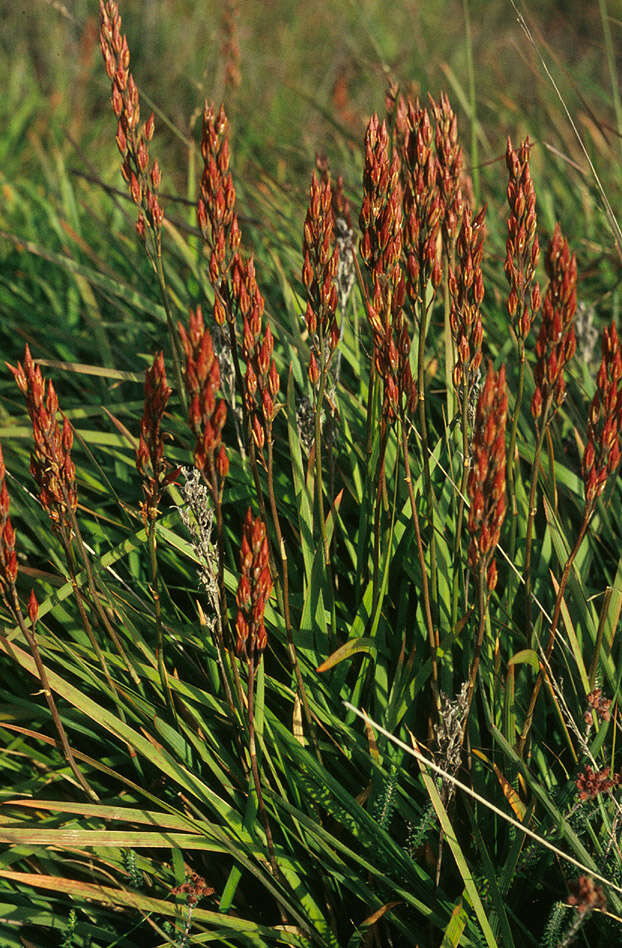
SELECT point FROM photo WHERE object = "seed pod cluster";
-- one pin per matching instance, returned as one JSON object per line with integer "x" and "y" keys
{"x": 449, "y": 169}
{"x": 319, "y": 272}
{"x": 206, "y": 412}
{"x": 602, "y": 450}
{"x": 142, "y": 177}
{"x": 216, "y": 214}
{"x": 466, "y": 289}
{"x": 8, "y": 556}
{"x": 486, "y": 481}
{"x": 423, "y": 204}
{"x": 556, "y": 341}
{"x": 150, "y": 461}
{"x": 261, "y": 379}
{"x": 522, "y": 247}
{"x": 50, "y": 461}
{"x": 254, "y": 589}
{"x": 381, "y": 248}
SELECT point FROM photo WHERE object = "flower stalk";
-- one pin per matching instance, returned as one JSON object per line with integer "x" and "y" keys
{"x": 601, "y": 458}
{"x": 254, "y": 589}
{"x": 8, "y": 591}
{"x": 152, "y": 467}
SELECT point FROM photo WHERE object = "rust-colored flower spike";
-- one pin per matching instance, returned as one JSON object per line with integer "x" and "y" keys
{"x": 423, "y": 205}
{"x": 142, "y": 177}
{"x": 380, "y": 196}
{"x": 50, "y": 461}
{"x": 8, "y": 556}
{"x": 230, "y": 51}
{"x": 522, "y": 247}
{"x": 604, "y": 428}
{"x": 486, "y": 481}
{"x": 253, "y": 589}
{"x": 150, "y": 460}
{"x": 339, "y": 201}
{"x": 381, "y": 249}
{"x": 261, "y": 379}
{"x": 216, "y": 213}
{"x": 556, "y": 341}
{"x": 319, "y": 271}
{"x": 449, "y": 169}
{"x": 585, "y": 895}
{"x": 207, "y": 414}
{"x": 466, "y": 288}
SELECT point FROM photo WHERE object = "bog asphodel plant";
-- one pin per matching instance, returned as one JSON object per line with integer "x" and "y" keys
{"x": 142, "y": 176}
{"x": 486, "y": 482}
{"x": 50, "y": 462}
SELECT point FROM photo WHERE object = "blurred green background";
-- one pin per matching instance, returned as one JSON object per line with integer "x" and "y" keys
{"x": 311, "y": 74}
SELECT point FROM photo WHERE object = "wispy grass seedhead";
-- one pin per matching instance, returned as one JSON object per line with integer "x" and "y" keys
{"x": 50, "y": 462}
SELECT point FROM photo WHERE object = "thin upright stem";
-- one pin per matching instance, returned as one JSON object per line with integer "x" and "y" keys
{"x": 319, "y": 485}
{"x": 302, "y": 693}
{"x": 29, "y": 635}
{"x": 511, "y": 469}
{"x": 460, "y": 518}
{"x": 432, "y": 635}
{"x": 380, "y": 478}
{"x": 589, "y": 509}
{"x": 159, "y": 269}
{"x": 255, "y": 769}
{"x": 483, "y": 608}
{"x": 155, "y": 592}
{"x": 532, "y": 512}
{"x": 423, "y": 432}
{"x": 95, "y": 596}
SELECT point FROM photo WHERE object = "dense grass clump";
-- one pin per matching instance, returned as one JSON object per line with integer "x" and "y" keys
{"x": 310, "y": 575}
